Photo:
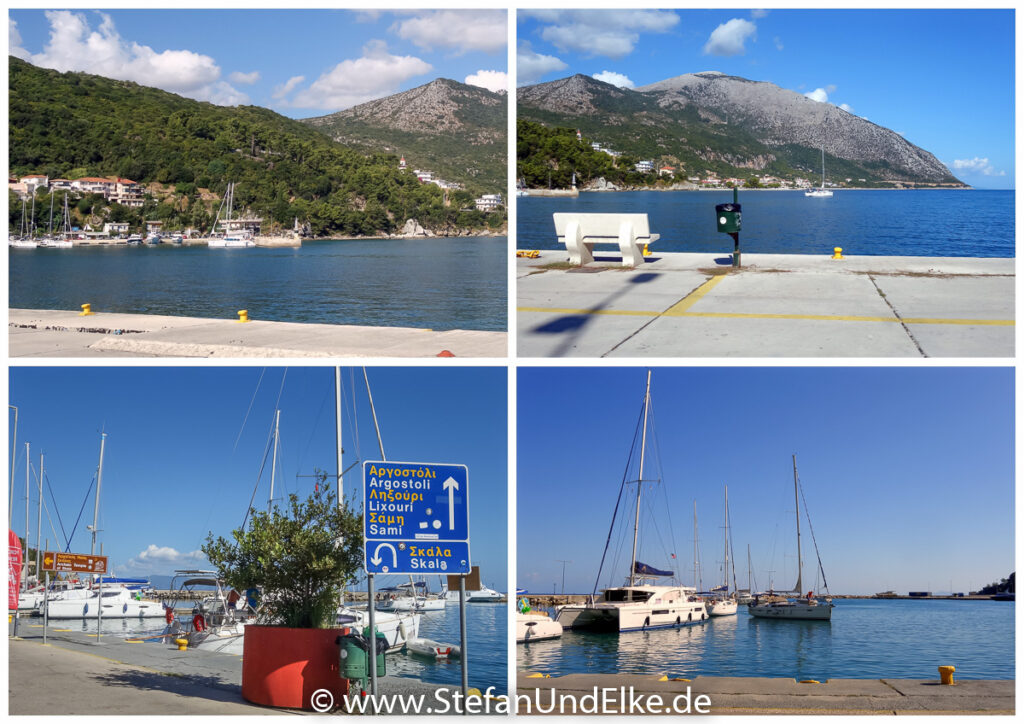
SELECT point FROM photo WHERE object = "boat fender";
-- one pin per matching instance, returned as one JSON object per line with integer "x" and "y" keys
{"x": 678, "y": 620}
{"x": 647, "y": 622}
{"x": 689, "y": 616}
{"x": 124, "y": 609}
{"x": 401, "y": 629}
{"x": 169, "y": 615}
{"x": 198, "y": 622}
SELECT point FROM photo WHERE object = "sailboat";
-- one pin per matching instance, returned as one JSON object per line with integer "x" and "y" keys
{"x": 822, "y": 193}
{"x": 722, "y": 604}
{"x": 804, "y": 608}
{"x": 638, "y": 605}
{"x": 231, "y": 239}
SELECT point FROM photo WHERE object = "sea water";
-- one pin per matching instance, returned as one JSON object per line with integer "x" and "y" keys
{"x": 441, "y": 283}
{"x": 927, "y": 222}
{"x": 866, "y": 639}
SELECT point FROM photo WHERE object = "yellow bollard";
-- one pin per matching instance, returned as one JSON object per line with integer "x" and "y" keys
{"x": 647, "y": 252}
{"x": 837, "y": 252}
{"x": 809, "y": 681}
{"x": 243, "y": 315}
{"x": 86, "y": 311}
{"x": 946, "y": 675}
{"x": 182, "y": 644}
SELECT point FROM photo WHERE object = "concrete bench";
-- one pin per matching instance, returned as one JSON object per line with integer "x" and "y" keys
{"x": 580, "y": 232}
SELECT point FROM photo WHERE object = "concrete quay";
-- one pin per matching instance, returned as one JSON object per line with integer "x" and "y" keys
{"x": 60, "y": 333}
{"x": 777, "y": 305}
{"x": 759, "y": 696}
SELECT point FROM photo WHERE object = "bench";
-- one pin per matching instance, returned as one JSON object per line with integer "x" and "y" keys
{"x": 580, "y": 232}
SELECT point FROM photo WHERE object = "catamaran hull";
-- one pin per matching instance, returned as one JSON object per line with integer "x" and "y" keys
{"x": 621, "y": 619}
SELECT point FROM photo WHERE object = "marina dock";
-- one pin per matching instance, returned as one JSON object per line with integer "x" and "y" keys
{"x": 60, "y": 333}
{"x": 759, "y": 696}
{"x": 776, "y": 305}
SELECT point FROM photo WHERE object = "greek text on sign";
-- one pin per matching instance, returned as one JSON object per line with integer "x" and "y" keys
{"x": 74, "y": 562}
{"x": 415, "y": 517}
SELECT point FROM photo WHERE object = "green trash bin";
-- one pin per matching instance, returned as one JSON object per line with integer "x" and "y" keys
{"x": 728, "y": 217}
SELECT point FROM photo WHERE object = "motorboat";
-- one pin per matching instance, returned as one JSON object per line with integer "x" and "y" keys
{"x": 484, "y": 595}
{"x": 397, "y": 627}
{"x": 412, "y": 596}
{"x": 536, "y": 626}
{"x": 802, "y": 607}
{"x": 721, "y": 606}
{"x": 18, "y": 243}
{"x": 217, "y": 620}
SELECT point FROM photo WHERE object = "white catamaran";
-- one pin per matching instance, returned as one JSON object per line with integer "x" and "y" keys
{"x": 803, "y": 607}
{"x": 637, "y": 606}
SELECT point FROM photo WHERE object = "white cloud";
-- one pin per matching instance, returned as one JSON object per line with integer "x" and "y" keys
{"x": 463, "y": 30}
{"x": 976, "y": 165}
{"x": 778, "y": 43}
{"x": 532, "y": 66}
{"x": 280, "y": 91}
{"x": 729, "y": 38}
{"x": 616, "y": 79}
{"x": 757, "y": 14}
{"x": 495, "y": 81}
{"x": 156, "y": 560}
{"x": 846, "y": 107}
{"x": 610, "y": 33}
{"x": 244, "y": 78}
{"x": 74, "y": 46}
{"x": 818, "y": 94}
{"x": 14, "y": 41}
{"x": 351, "y": 82}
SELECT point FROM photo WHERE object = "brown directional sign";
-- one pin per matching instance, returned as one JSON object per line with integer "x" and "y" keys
{"x": 74, "y": 562}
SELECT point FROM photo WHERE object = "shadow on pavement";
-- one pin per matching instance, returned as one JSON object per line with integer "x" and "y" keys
{"x": 203, "y": 687}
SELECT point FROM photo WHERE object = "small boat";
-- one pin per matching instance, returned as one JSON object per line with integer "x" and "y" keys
{"x": 135, "y": 239}
{"x": 19, "y": 243}
{"x": 238, "y": 240}
{"x": 397, "y": 627}
{"x": 152, "y": 238}
{"x": 721, "y": 603}
{"x": 433, "y": 649}
{"x": 802, "y": 608}
{"x": 536, "y": 626}
{"x": 412, "y": 596}
{"x": 484, "y": 595}
{"x": 217, "y": 620}
{"x": 821, "y": 193}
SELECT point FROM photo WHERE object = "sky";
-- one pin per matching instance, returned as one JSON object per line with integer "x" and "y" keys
{"x": 943, "y": 79}
{"x": 186, "y": 445}
{"x": 300, "y": 63}
{"x": 908, "y": 474}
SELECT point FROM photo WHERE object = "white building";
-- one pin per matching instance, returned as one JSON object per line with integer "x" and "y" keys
{"x": 33, "y": 182}
{"x": 113, "y": 228}
{"x": 644, "y": 166}
{"x": 488, "y": 203}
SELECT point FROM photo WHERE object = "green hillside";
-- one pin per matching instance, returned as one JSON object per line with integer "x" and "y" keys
{"x": 69, "y": 125}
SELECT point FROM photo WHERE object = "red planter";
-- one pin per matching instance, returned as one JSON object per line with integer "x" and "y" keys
{"x": 283, "y": 667}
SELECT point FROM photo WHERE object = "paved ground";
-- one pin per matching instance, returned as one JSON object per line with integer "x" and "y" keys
{"x": 695, "y": 305}
{"x": 57, "y": 333}
{"x": 742, "y": 695}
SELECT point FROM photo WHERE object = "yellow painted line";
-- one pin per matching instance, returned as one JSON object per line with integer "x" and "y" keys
{"x": 693, "y": 297}
{"x": 99, "y": 656}
{"x": 35, "y": 625}
{"x": 62, "y": 630}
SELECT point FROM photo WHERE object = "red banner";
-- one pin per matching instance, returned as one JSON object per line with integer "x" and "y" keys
{"x": 13, "y": 569}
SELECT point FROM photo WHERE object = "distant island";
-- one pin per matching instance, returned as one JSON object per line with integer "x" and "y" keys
{"x": 127, "y": 156}
{"x": 706, "y": 130}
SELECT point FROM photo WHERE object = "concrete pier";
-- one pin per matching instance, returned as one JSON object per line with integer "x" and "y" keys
{"x": 777, "y": 305}
{"x": 759, "y": 696}
{"x": 59, "y": 333}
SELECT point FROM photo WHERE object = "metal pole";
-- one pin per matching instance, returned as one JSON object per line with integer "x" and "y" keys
{"x": 273, "y": 465}
{"x": 96, "y": 506}
{"x": 46, "y": 596}
{"x": 372, "y": 663}
{"x": 337, "y": 426}
{"x": 24, "y": 577}
{"x": 99, "y": 612}
{"x": 463, "y": 655}
{"x": 14, "y": 447}
{"x": 736, "y": 261}
{"x": 39, "y": 517}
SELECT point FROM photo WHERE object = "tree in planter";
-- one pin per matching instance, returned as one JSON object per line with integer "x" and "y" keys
{"x": 298, "y": 558}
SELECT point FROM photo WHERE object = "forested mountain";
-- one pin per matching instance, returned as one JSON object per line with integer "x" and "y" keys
{"x": 457, "y": 131}
{"x": 69, "y": 125}
{"x": 712, "y": 123}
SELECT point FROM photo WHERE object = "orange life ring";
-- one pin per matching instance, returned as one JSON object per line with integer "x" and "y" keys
{"x": 198, "y": 622}
{"x": 810, "y": 594}
{"x": 169, "y": 615}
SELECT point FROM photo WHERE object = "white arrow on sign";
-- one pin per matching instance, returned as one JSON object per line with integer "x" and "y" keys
{"x": 448, "y": 485}
{"x": 376, "y": 560}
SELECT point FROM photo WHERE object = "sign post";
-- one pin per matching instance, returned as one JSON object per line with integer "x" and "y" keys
{"x": 78, "y": 563}
{"x": 416, "y": 522}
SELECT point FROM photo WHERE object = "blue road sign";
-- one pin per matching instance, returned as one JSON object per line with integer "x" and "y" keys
{"x": 415, "y": 518}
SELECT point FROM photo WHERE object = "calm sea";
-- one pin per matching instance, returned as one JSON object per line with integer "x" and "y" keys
{"x": 486, "y": 630}
{"x": 449, "y": 283}
{"x": 866, "y": 639}
{"x": 878, "y": 223}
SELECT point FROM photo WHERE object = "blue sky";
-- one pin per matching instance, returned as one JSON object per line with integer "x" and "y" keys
{"x": 944, "y": 79}
{"x": 908, "y": 473}
{"x": 173, "y": 470}
{"x": 300, "y": 63}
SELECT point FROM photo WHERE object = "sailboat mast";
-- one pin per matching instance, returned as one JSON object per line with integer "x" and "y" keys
{"x": 96, "y": 505}
{"x": 50, "y": 230}
{"x": 640, "y": 482}
{"x": 799, "y": 557}
{"x": 695, "y": 587}
{"x": 337, "y": 426}
{"x": 273, "y": 465}
{"x": 750, "y": 588}
{"x": 726, "y": 568}
{"x": 39, "y": 515}
{"x": 28, "y": 466}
